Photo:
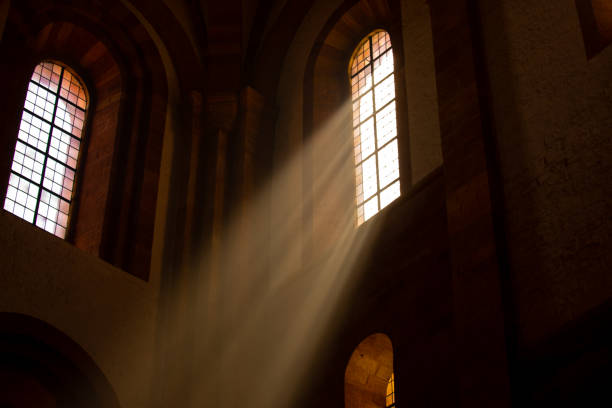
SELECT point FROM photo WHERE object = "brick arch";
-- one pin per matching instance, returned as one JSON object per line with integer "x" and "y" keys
{"x": 328, "y": 61}
{"x": 124, "y": 73}
{"x": 368, "y": 372}
{"x": 327, "y": 99}
{"x": 41, "y": 365}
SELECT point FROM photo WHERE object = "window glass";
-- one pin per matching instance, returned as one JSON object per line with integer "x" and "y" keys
{"x": 374, "y": 125}
{"x": 43, "y": 170}
{"x": 390, "y": 400}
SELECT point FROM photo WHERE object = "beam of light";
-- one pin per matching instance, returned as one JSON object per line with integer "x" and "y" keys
{"x": 263, "y": 309}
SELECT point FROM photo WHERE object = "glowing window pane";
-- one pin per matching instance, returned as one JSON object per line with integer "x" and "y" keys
{"x": 370, "y": 208}
{"x": 381, "y": 42}
{"x": 383, "y": 66}
{"x": 370, "y": 185}
{"x": 384, "y": 92}
{"x": 361, "y": 59}
{"x": 389, "y": 194}
{"x": 43, "y": 171}
{"x": 386, "y": 126}
{"x": 374, "y": 125}
{"x": 362, "y": 82}
{"x": 388, "y": 169}
{"x": 390, "y": 400}
{"x": 365, "y": 140}
{"x": 363, "y": 107}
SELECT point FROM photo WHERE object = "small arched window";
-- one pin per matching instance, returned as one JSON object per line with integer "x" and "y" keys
{"x": 390, "y": 400}
{"x": 43, "y": 171}
{"x": 369, "y": 373}
{"x": 374, "y": 125}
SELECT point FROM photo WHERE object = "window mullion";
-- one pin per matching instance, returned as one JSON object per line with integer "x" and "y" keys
{"x": 40, "y": 189}
{"x": 56, "y": 195}
{"x": 382, "y": 80}
{"x": 359, "y": 96}
{"x": 386, "y": 104}
{"x": 389, "y": 184}
{"x": 69, "y": 103}
{"x": 28, "y": 179}
{"x": 30, "y": 146}
{"x": 372, "y": 59}
{"x": 50, "y": 123}
{"x": 375, "y": 131}
{"x": 388, "y": 143}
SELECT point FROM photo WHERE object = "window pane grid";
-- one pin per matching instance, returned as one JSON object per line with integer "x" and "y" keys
{"x": 72, "y": 90}
{"x": 47, "y": 75}
{"x": 374, "y": 126}
{"x": 34, "y": 131}
{"x": 363, "y": 67}
{"x": 44, "y": 165}
{"x": 379, "y": 109}
{"x": 381, "y": 42}
{"x": 71, "y": 103}
{"x": 40, "y": 126}
{"x": 40, "y": 101}
{"x": 383, "y": 66}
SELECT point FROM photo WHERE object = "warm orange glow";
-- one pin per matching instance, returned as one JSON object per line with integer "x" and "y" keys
{"x": 43, "y": 170}
{"x": 390, "y": 401}
{"x": 366, "y": 378}
{"x": 374, "y": 125}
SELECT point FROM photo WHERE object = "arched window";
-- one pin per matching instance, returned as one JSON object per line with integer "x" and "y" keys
{"x": 369, "y": 374}
{"x": 43, "y": 171}
{"x": 374, "y": 125}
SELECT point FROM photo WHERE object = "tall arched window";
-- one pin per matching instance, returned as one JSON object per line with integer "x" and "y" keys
{"x": 43, "y": 171}
{"x": 374, "y": 125}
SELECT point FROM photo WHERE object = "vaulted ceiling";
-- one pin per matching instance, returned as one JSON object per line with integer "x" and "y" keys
{"x": 241, "y": 42}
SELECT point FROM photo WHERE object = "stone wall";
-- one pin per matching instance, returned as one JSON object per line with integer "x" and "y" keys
{"x": 111, "y": 314}
{"x": 551, "y": 114}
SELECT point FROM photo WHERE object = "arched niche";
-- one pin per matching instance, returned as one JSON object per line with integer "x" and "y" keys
{"x": 327, "y": 116}
{"x": 367, "y": 373}
{"x": 41, "y": 366}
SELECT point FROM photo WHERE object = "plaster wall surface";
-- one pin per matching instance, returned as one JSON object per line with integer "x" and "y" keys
{"x": 422, "y": 96}
{"x": 108, "y": 312}
{"x": 551, "y": 111}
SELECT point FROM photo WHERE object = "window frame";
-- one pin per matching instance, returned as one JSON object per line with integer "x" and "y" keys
{"x": 400, "y": 179}
{"x": 77, "y": 73}
{"x": 391, "y": 382}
